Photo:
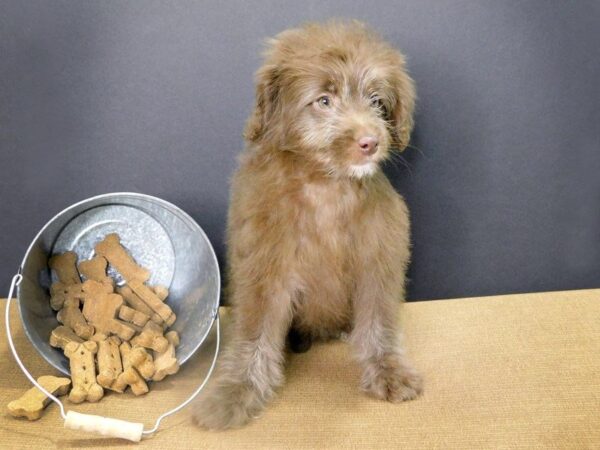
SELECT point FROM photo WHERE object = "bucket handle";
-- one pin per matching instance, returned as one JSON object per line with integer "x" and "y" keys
{"x": 105, "y": 426}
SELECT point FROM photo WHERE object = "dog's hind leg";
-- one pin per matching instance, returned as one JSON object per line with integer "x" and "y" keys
{"x": 252, "y": 366}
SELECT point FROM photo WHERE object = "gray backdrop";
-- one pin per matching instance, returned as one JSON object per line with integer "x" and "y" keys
{"x": 151, "y": 96}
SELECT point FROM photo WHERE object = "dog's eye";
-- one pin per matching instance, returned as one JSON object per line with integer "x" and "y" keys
{"x": 376, "y": 102}
{"x": 324, "y": 101}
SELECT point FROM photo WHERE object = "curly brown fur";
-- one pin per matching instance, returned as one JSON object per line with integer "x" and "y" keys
{"x": 318, "y": 240}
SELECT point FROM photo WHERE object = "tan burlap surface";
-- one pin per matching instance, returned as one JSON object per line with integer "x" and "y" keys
{"x": 519, "y": 371}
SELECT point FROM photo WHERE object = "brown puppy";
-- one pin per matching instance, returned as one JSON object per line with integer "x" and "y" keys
{"x": 318, "y": 240}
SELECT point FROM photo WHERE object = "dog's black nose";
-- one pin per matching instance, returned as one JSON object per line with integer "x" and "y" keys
{"x": 368, "y": 144}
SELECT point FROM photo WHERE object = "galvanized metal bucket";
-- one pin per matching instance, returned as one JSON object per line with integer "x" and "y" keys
{"x": 159, "y": 236}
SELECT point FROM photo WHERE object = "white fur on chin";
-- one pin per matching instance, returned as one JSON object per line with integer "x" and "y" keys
{"x": 362, "y": 170}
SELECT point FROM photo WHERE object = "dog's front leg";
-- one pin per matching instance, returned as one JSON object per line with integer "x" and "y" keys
{"x": 252, "y": 365}
{"x": 376, "y": 337}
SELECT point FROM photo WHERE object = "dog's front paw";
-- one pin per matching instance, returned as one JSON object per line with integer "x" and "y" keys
{"x": 224, "y": 407}
{"x": 393, "y": 380}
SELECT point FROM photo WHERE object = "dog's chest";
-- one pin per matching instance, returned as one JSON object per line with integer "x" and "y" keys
{"x": 327, "y": 214}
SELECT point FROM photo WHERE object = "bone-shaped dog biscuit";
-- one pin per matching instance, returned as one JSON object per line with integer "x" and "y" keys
{"x": 135, "y": 302}
{"x": 101, "y": 308}
{"x": 60, "y": 292}
{"x": 151, "y": 299}
{"x": 83, "y": 372}
{"x": 109, "y": 361}
{"x": 32, "y": 403}
{"x": 61, "y": 336}
{"x": 97, "y": 337}
{"x": 139, "y": 358}
{"x": 125, "y": 349}
{"x": 71, "y": 316}
{"x": 161, "y": 292}
{"x": 118, "y": 257}
{"x": 93, "y": 288}
{"x": 165, "y": 363}
{"x": 151, "y": 337}
{"x": 142, "y": 360}
{"x": 65, "y": 266}
{"x": 131, "y": 377}
{"x": 132, "y": 316}
{"x": 173, "y": 338}
{"x": 95, "y": 269}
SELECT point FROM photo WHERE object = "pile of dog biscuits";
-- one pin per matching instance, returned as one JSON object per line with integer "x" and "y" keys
{"x": 114, "y": 337}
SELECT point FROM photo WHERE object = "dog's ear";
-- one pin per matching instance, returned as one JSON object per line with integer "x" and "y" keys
{"x": 267, "y": 100}
{"x": 401, "y": 115}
